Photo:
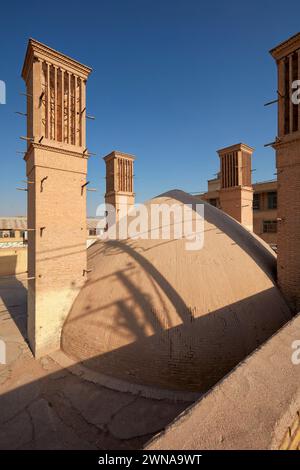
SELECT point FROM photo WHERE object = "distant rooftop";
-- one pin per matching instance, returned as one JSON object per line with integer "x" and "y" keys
{"x": 265, "y": 182}
{"x": 20, "y": 223}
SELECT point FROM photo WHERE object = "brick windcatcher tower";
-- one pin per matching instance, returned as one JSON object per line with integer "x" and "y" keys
{"x": 56, "y": 167}
{"x": 236, "y": 192}
{"x": 287, "y": 146}
{"x": 119, "y": 182}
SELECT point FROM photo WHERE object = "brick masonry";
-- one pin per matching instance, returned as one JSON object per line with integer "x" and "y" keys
{"x": 120, "y": 182}
{"x": 287, "y": 148}
{"x": 236, "y": 192}
{"x": 56, "y": 166}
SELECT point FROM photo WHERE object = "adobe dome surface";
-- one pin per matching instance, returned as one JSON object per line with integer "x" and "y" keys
{"x": 154, "y": 313}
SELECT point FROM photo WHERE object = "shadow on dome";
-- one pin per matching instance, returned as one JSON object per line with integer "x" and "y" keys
{"x": 192, "y": 355}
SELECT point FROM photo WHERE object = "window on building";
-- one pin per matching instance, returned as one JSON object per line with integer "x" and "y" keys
{"x": 213, "y": 202}
{"x": 269, "y": 226}
{"x": 272, "y": 200}
{"x": 7, "y": 234}
{"x": 256, "y": 202}
{"x": 23, "y": 234}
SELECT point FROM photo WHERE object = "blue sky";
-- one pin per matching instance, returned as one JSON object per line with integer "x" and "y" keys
{"x": 172, "y": 82}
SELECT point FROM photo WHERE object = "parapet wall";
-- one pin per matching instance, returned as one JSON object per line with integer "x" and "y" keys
{"x": 253, "y": 407}
{"x": 13, "y": 261}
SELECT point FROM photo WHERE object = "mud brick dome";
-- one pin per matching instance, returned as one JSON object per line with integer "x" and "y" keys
{"x": 154, "y": 313}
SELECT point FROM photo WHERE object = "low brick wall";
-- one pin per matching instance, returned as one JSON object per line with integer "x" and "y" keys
{"x": 13, "y": 261}
{"x": 256, "y": 406}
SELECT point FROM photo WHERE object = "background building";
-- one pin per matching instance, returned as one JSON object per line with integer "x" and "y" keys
{"x": 13, "y": 242}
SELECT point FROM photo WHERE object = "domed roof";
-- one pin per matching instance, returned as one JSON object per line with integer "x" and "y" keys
{"x": 154, "y": 313}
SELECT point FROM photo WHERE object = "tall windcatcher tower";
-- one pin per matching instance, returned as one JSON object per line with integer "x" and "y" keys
{"x": 287, "y": 146}
{"x": 119, "y": 182}
{"x": 56, "y": 167}
{"x": 236, "y": 192}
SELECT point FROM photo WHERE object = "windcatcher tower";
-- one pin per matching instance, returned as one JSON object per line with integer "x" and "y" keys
{"x": 287, "y": 146}
{"x": 236, "y": 193}
{"x": 56, "y": 167}
{"x": 119, "y": 182}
